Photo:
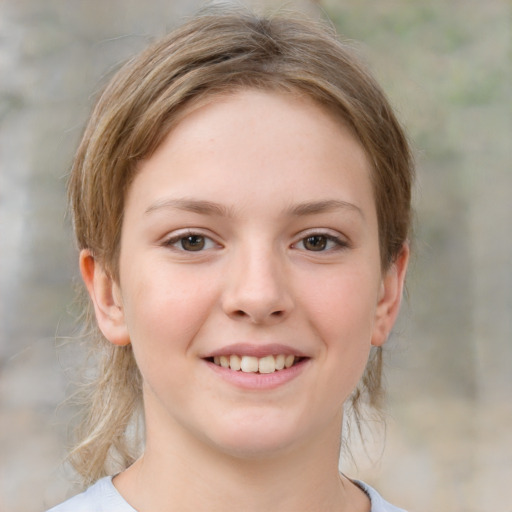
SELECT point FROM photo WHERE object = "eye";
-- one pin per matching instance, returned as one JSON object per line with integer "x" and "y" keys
{"x": 191, "y": 242}
{"x": 315, "y": 243}
{"x": 318, "y": 242}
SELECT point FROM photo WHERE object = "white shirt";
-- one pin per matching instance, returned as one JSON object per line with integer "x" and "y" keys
{"x": 104, "y": 497}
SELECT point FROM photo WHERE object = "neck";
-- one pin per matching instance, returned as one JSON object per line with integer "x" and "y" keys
{"x": 303, "y": 478}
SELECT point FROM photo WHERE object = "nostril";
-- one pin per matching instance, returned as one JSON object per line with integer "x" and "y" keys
{"x": 240, "y": 313}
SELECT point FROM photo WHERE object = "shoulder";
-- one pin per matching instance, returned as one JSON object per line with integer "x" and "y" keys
{"x": 378, "y": 503}
{"x": 100, "y": 497}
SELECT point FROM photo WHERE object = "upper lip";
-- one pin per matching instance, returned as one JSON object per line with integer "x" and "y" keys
{"x": 254, "y": 350}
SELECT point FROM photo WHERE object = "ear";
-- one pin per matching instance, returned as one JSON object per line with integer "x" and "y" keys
{"x": 106, "y": 298}
{"x": 390, "y": 297}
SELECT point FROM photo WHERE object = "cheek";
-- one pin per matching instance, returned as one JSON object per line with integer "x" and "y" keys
{"x": 342, "y": 315}
{"x": 164, "y": 311}
{"x": 342, "y": 306}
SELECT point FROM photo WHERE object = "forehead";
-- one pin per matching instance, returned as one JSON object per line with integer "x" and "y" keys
{"x": 266, "y": 92}
{"x": 244, "y": 114}
{"x": 274, "y": 143}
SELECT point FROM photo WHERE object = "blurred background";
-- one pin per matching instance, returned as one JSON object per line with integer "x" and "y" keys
{"x": 446, "y": 66}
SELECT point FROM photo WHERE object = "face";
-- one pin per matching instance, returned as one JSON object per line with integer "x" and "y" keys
{"x": 250, "y": 284}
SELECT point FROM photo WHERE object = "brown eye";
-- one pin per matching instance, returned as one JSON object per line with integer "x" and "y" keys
{"x": 193, "y": 243}
{"x": 190, "y": 242}
{"x": 315, "y": 243}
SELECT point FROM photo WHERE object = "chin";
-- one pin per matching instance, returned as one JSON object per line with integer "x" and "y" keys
{"x": 256, "y": 440}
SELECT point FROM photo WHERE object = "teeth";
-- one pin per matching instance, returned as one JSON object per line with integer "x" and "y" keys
{"x": 250, "y": 364}
{"x": 267, "y": 364}
{"x": 235, "y": 362}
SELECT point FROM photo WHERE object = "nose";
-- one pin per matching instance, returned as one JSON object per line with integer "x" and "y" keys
{"x": 258, "y": 288}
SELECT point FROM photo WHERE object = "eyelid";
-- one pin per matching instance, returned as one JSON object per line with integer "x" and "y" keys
{"x": 173, "y": 238}
{"x": 341, "y": 241}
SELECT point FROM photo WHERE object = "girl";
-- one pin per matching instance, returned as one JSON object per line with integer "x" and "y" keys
{"x": 241, "y": 200}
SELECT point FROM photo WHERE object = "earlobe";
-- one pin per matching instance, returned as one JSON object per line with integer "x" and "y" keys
{"x": 106, "y": 298}
{"x": 390, "y": 297}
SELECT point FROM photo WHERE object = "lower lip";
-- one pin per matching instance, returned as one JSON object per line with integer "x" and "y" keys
{"x": 259, "y": 381}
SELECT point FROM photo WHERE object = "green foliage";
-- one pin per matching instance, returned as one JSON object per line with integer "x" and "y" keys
{"x": 438, "y": 61}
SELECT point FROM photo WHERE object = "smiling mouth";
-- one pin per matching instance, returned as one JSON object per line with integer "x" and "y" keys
{"x": 251, "y": 364}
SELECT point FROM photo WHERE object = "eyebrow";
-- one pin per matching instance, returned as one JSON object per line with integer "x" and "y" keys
{"x": 210, "y": 208}
{"x": 190, "y": 205}
{"x": 316, "y": 207}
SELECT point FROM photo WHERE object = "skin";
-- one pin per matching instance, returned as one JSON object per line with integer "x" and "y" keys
{"x": 256, "y": 174}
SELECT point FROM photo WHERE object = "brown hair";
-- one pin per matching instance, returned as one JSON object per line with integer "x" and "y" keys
{"x": 217, "y": 52}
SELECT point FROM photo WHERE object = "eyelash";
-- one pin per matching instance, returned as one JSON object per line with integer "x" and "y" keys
{"x": 181, "y": 237}
{"x": 207, "y": 242}
{"x": 339, "y": 242}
